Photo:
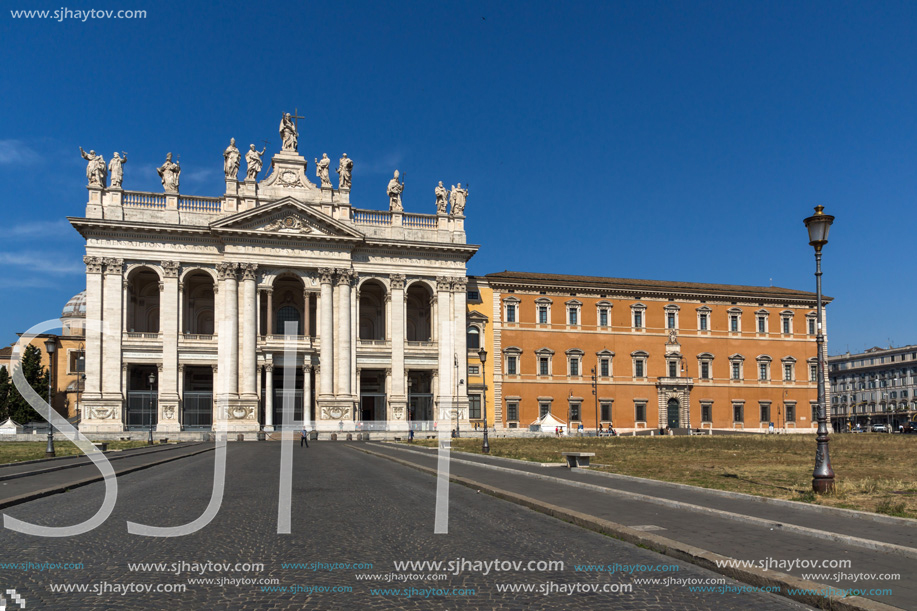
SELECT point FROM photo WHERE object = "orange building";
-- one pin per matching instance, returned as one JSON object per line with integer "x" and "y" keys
{"x": 641, "y": 354}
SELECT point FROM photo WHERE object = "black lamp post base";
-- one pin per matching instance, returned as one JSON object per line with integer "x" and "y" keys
{"x": 823, "y": 485}
{"x": 50, "y": 454}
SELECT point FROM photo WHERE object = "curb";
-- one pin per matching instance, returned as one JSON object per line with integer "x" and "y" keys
{"x": 117, "y": 453}
{"x": 31, "y": 496}
{"x": 668, "y": 547}
{"x": 882, "y": 546}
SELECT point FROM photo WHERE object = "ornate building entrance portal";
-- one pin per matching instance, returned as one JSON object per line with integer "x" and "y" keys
{"x": 217, "y": 309}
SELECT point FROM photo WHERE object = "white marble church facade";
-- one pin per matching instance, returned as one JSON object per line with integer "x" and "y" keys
{"x": 201, "y": 300}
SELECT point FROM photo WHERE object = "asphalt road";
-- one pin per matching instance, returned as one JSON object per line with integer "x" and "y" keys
{"x": 347, "y": 508}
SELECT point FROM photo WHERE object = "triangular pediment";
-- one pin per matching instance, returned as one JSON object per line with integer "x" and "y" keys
{"x": 286, "y": 218}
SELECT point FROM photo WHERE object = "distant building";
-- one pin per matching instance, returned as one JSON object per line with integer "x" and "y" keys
{"x": 664, "y": 354}
{"x": 873, "y": 387}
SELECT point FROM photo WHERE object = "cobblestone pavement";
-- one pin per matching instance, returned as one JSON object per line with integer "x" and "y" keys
{"x": 347, "y": 508}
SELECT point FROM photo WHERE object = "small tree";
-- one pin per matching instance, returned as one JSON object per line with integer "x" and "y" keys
{"x": 37, "y": 377}
{"x": 5, "y": 384}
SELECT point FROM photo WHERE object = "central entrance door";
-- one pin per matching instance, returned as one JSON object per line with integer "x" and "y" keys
{"x": 372, "y": 416}
{"x": 674, "y": 416}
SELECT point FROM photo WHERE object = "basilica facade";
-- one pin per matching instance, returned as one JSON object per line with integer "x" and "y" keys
{"x": 221, "y": 311}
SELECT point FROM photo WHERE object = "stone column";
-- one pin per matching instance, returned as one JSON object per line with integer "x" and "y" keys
{"x": 247, "y": 352}
{"x": 228, "y": 329}
{"x": 397, "y": 399}
{"x": 343, "y": 364}
{"x": 168, "y": 326}
{"x": 460, "y": 349}
{"x": 128, "y": 316}
{"x": 269, "y": 397}
{"x": 326, "y": 386}
{"x": 446, "y": 362}
{"x": 111, "y": 341}
{"x": 307, "y": 394}
{"x": 270, "y": 311}
{"x": 93, "y": 361}
{"x": 306, "y": 296}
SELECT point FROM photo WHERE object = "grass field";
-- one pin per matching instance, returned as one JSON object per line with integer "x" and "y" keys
{"x": 17, "y": 451}
{"x": 874, "y": 472}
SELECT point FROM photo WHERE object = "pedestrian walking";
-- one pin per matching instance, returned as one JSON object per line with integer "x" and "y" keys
{"x": 411, "y": 435}
{"x": 304, "y": 438}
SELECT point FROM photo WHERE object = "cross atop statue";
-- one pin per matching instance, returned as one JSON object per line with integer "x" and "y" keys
{"x": 289, "y": 130}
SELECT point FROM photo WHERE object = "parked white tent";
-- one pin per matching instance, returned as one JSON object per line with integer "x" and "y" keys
{"x": 548, "y": 424}
{"x": 10, "y": 427}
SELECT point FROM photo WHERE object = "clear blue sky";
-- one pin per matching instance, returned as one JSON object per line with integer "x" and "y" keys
{"x": 676, "y": 141}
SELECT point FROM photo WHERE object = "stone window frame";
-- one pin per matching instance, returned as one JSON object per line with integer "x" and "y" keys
{"x": 575, "y": 354}
{"x": 704, "y": 313}
{"x": 512, "y": 352}
{"x": 514, "y": 303}
{"x": 541, "y": 402}
{"x": 610, "y": 403}
{"x": 786, "y": 320}
{"x": 702, "y": 359}
{"x": 812, "y": 362}
{"x": 545, "y": 303}
{"x": 574, "y": 307}
{"x": 671, "y": 359}
{"x": 813, "y": 405}
{"x": 812, "y": 324}
{"x": 672, "y": 310}
{"x": 740, "y": 404}
{"x": 480, "y": 333}
{"x": 641, "y": 308}
{"x": 737, "y": 313}
{"x": 791, "y": 361}
{"x": 480, "y": 400}
{"x": 765, "y": 361}
{"x": 640, "y": 404}
{"x": 548, "y": 354}
{"x": 706, "y": 404}
{"x": 641, "y": 356}
{"x": 516, "y": 401}
{"x": 787, "y": 406}
{"x": 762, "y": 316}
{"x": 764, "y": 405}
{"x": 71, "y": 371}
{"x": 736, "y": 359}
{"x": 578, "y": 403}
{"x": 603, "y": 306}
{"x": 606, "y": 356}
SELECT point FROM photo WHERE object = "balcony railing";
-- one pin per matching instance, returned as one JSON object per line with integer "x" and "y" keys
{"x": 372, "y": 217}
{"x": 425, "y": 344}
{"x": 197, "y": 337}
{"x": 374, "y": 342}
{"x": 200, "y": 204}
{"x": 419, "y": 221}
{"x": 136, "y": 335}
{"x": 138, "y": 199}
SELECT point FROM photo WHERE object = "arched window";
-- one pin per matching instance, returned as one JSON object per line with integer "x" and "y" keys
{"x": 284, "y": 314}
{"x": 474, "y": 338}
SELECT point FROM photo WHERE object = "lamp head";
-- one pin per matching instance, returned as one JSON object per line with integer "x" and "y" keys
{"x": 50, "y": 345}
{"x": 818, "y": 225}
{"x": 482, "y": 354}
{"x": 152, "y": 378}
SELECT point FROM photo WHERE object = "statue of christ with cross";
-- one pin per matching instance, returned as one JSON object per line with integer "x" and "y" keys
{"x": 289, "y": 130}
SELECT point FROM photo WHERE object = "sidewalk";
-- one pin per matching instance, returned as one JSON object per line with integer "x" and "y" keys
{"x": 735, "y": 526}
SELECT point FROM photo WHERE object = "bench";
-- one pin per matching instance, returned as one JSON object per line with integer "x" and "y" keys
{"x": 577, "y": 459}
{"x": 102, "y": 445}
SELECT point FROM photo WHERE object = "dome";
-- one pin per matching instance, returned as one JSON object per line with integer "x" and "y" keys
{"x": 76, "y": 307}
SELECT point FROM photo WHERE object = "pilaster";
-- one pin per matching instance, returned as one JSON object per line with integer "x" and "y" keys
{"x": 169, "y": 325}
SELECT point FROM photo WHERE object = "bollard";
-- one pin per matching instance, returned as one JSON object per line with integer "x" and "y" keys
{"x": 334, "y": 436}
{"x": 240, "y": 437}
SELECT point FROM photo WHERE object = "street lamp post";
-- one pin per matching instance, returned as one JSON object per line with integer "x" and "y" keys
{"x": 151, "y": 379}
{"x": 482, "y": 354}
{"x": 823, "y": 475}
{"x": 51, "y": 347}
